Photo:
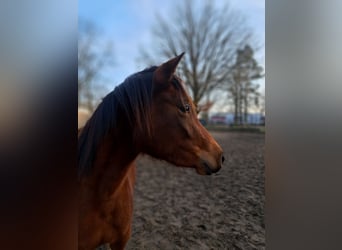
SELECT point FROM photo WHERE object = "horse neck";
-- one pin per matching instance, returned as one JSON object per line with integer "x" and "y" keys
{"x": 115, "y": 156}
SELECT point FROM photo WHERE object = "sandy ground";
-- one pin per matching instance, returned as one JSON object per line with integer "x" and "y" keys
{"x": 175, "y": 208}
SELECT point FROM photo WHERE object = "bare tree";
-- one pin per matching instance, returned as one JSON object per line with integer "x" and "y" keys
{"x": 210, "y": 37}
{"x": 241, "y": 86}
{"x": 94, "y": 56}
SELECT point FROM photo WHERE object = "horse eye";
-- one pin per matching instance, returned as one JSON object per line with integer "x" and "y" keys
{"x": 185, "y": 108}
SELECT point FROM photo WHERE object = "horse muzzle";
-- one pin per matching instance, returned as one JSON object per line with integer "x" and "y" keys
{"x": 207, "y": 167}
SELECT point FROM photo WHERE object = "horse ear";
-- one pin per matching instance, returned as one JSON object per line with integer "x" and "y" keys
{"x": 165, "y": 71}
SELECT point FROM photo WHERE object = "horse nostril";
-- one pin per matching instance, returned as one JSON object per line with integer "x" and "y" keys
{"x": 223, "y": 159}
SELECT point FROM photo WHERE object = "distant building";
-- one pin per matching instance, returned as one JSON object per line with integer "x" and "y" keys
{"x": 228, "y": 119}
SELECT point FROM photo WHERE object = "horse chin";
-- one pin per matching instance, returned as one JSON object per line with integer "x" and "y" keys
{"x": 201, "y": 171}
{"x": 205, "y": 169}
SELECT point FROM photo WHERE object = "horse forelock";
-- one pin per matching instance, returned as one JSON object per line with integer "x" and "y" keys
{"x": 132, "y": 100}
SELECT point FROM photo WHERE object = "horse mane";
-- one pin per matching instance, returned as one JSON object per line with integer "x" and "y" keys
{"x": 131, "y": 100}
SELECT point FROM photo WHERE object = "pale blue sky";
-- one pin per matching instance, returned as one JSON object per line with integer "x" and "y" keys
{"x": 128, "y": 24}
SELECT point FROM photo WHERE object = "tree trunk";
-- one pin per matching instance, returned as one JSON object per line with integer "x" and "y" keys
{"x": 245, "y": 109}
{"x": 240, "y": 105}
{"x": 236, "y": 103}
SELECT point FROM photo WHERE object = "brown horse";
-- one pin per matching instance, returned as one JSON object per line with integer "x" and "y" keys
{"x": 148, "y": 113}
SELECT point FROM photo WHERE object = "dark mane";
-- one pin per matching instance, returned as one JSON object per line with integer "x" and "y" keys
{"x": 132, "y": 100}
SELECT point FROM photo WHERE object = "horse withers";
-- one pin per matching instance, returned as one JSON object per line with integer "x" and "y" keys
{"x": 149, "y": 113}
